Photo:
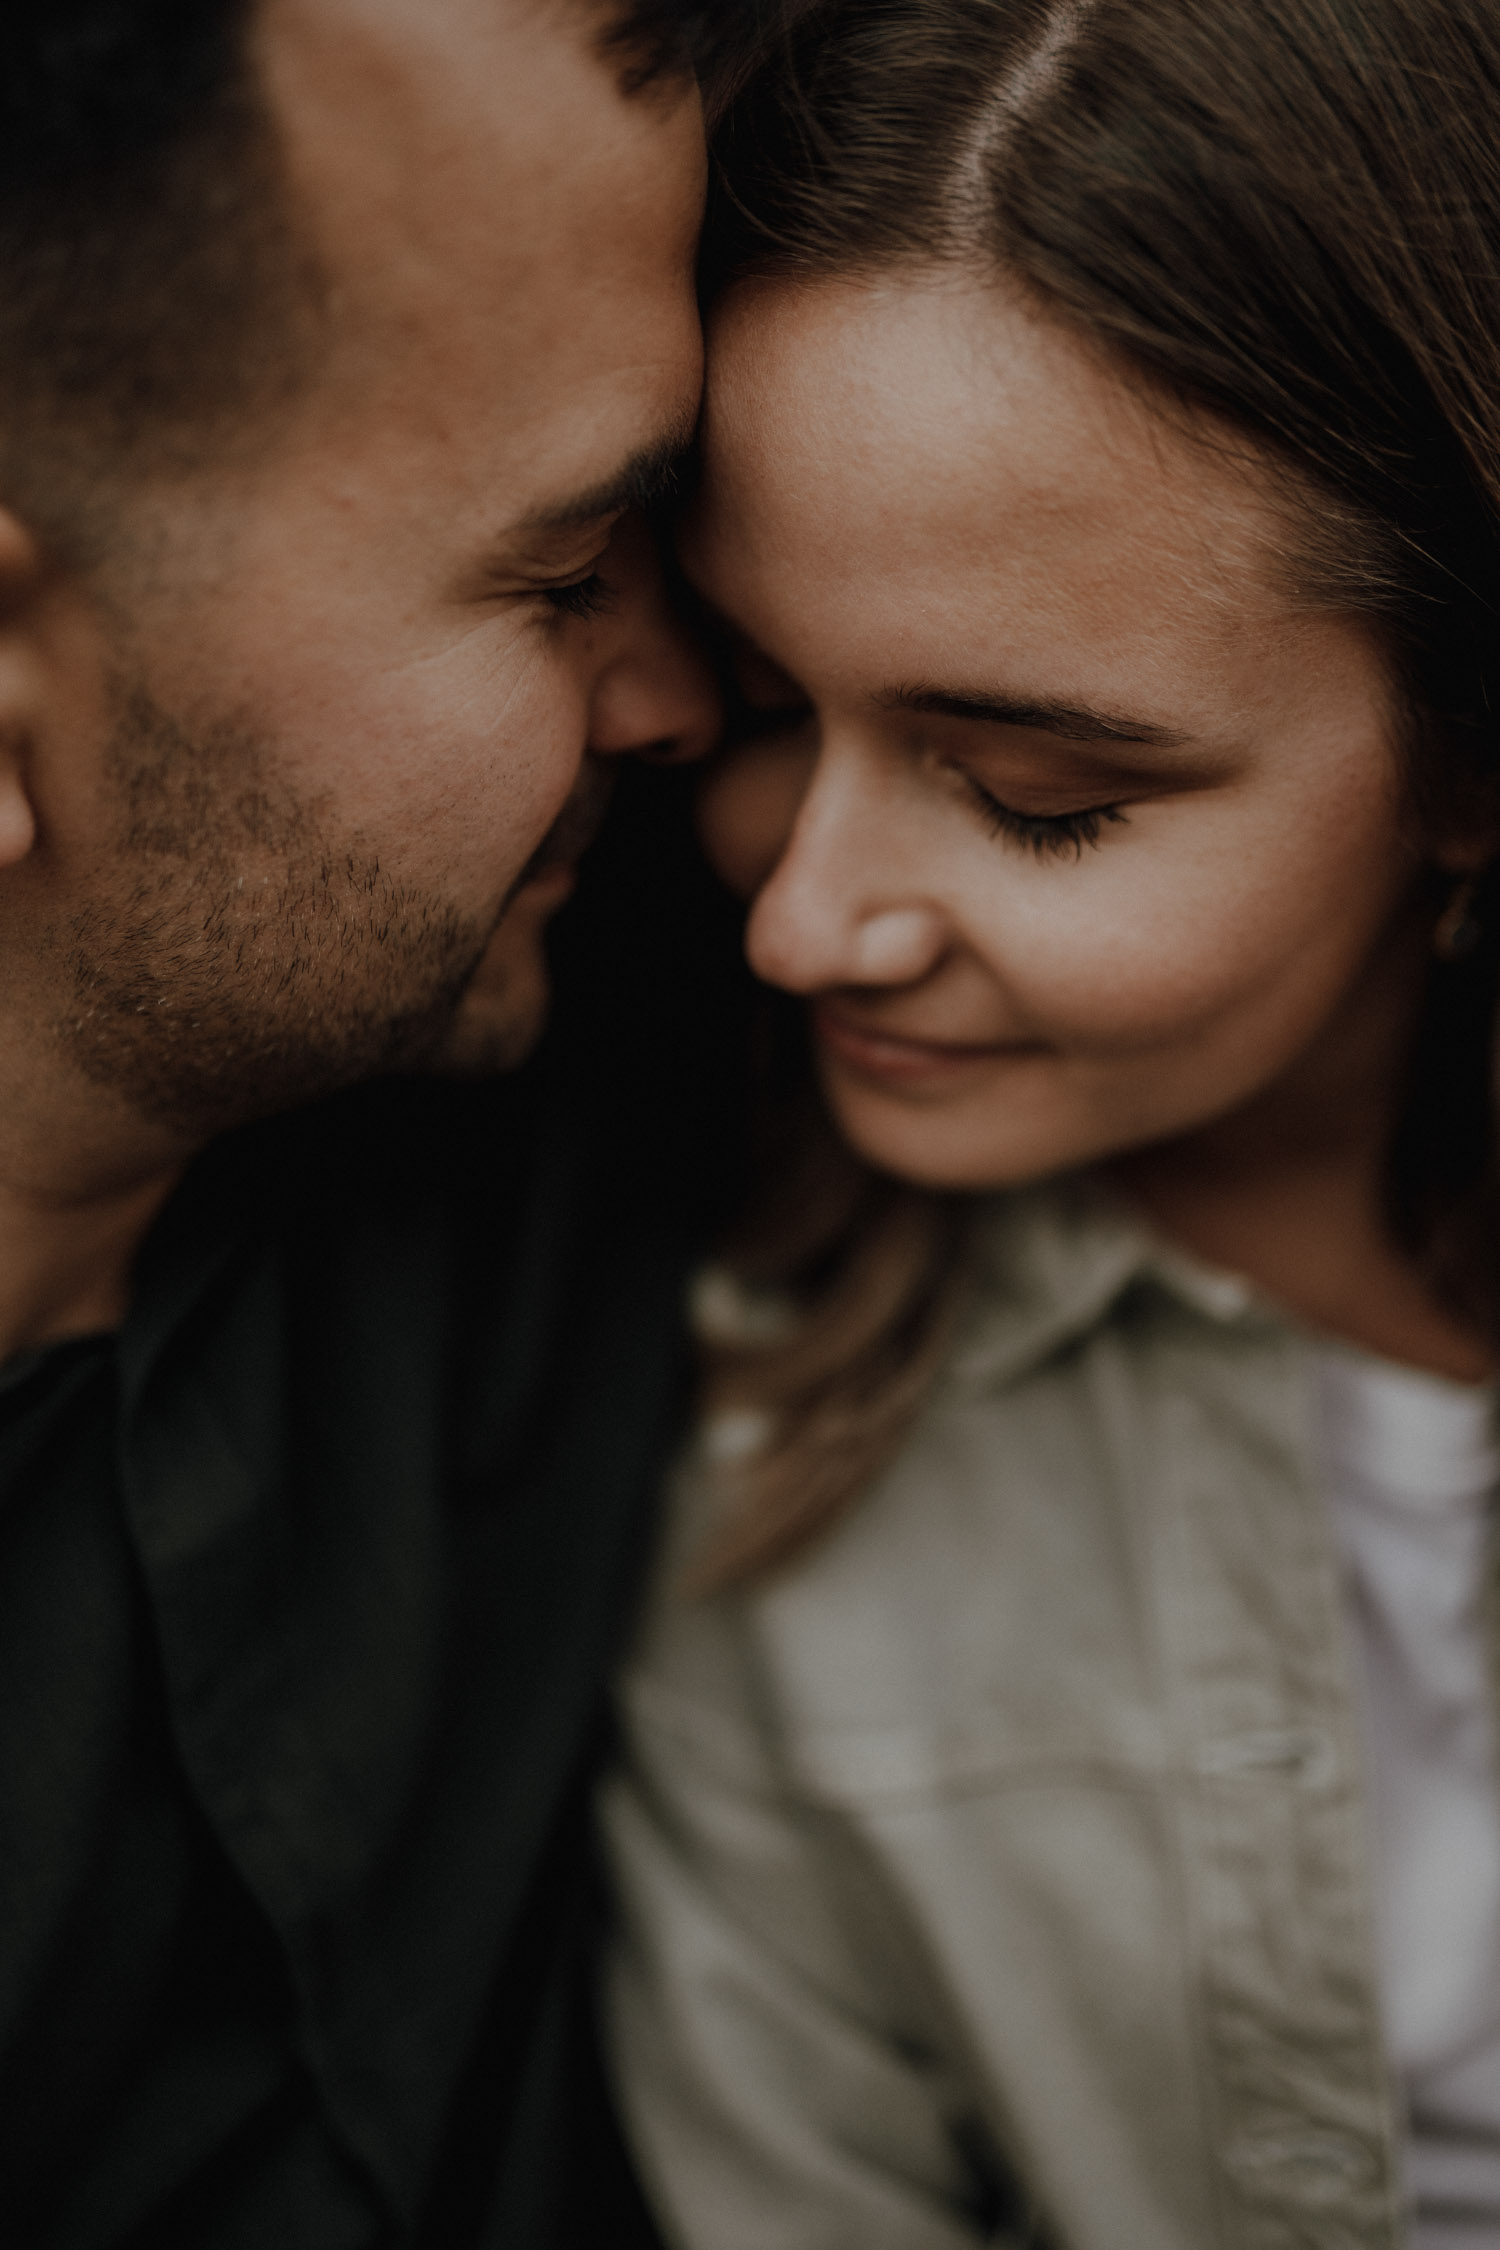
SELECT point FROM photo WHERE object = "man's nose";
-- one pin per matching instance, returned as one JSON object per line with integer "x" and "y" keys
{"x": 655, "y": 694}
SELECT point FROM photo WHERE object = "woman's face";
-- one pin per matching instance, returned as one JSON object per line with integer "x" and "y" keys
{"x": 1088, "y": 833}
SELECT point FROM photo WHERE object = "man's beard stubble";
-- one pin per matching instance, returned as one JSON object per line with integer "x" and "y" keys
{"x": 236, "y": 957}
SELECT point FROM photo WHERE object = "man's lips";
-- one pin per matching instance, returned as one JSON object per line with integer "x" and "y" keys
{"x": 901, "y": 1058}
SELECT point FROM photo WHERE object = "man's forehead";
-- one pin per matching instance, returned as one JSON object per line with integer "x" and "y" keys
{"x": 508, "y": 244}
{"x": 481, "y": 122}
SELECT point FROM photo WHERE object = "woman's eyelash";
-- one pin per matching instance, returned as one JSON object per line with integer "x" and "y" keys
{"x": 1048, "y": 835}
{"x": 583, "y": 597}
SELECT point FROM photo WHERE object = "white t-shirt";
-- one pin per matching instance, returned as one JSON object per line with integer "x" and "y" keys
{"x": 1412, "y": 1466}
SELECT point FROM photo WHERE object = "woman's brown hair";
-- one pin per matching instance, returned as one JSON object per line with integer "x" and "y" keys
{"x": 1279, "y": 215}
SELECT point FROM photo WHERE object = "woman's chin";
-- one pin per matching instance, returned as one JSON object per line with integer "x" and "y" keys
{"x": 958, "y": 1145}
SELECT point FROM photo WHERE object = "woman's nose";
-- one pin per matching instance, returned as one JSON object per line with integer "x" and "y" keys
{"x": 840, "y": 908}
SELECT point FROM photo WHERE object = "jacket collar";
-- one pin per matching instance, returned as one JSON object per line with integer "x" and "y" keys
{"x": 1053, "y": 1261}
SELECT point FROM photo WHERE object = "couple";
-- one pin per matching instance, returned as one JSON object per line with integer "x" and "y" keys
{"x": 1057, "y": 1797}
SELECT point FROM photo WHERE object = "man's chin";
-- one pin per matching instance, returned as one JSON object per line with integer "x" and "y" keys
{"x": 503, "y": 1012}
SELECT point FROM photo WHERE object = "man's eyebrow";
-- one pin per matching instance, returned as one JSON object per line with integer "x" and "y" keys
{"x": 1074, "y": 722}
{"x": 648, "y": 478}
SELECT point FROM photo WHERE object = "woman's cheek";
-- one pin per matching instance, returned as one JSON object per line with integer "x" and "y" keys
{"x": 747, "y": 808}
{"x": 1110, "y": 961}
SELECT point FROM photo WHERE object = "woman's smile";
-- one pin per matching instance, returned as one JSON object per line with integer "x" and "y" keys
{"x": 906, "y": 1058}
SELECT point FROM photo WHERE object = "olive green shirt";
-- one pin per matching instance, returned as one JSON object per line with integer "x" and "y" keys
{"x": 999, "y": 1873}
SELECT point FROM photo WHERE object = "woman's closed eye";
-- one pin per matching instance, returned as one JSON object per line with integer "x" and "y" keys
{"x": 1061, "y": 835}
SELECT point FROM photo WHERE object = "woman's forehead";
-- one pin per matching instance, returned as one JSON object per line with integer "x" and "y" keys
{"x": 940, "y": 407}
{"x": 928, "y": 460}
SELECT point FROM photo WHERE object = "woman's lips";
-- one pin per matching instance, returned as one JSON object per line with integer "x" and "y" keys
{"x": 899, "y": 1059}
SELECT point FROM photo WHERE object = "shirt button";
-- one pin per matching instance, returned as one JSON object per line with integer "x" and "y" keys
{"x": 1315, "y": 2167}
{"x": 1300, "y": 1754}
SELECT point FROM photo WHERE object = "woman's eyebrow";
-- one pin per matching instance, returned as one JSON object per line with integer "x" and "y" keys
{"x": 1074, "y": 722}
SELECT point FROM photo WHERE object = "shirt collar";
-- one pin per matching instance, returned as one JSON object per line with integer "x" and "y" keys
{"x": 1055, "y": 1260}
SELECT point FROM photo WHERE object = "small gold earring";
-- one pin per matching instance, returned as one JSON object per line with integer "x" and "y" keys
{"x": 1459, "y": 928}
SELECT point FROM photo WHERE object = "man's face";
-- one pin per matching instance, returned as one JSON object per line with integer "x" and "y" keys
{"x": 337, "y": 699}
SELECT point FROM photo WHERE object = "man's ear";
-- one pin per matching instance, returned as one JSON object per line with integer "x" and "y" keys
{"x": 21, "y": 576}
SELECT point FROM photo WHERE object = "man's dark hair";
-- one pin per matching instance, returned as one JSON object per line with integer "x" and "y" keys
{"x": 154, "y": 292}
{"x": 721, "y": 43}
{"x": 143, "y": 246}
{"x": 85, "y": 83}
